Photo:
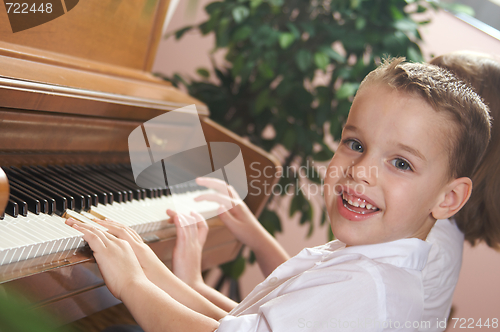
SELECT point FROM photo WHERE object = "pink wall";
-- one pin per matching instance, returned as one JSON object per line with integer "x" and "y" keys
{"x": 478, "y": 291}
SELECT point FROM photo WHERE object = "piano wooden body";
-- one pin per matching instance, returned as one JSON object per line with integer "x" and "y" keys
{"x": 71, "y": 91}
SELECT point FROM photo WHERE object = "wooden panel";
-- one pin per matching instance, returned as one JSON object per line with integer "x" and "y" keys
{"x": 260, "y": 166}
{"x": 36, "y": 86}
{"x": 4, "y": 191}
{"x": 117, "y": 32}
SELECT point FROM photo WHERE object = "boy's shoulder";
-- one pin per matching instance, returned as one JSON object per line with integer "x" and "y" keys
{"x": 404, "y": 253}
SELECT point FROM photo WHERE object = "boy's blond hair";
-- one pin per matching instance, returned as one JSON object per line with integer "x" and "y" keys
{"x": 445, "y": 93}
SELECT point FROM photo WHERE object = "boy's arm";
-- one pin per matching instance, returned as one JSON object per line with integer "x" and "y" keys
{"x": 155, "y": 310}
{"x": 186, "y": 260}
{"x": 120, "y": 265}
{"x": 244, "y": 225}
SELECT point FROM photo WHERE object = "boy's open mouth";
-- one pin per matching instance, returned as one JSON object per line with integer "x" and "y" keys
{"x": 357, "y": 205}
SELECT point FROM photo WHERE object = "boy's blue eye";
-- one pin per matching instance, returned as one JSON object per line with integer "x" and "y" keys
{"x": 355, "y": 146}
{"x": 401, "y": 164}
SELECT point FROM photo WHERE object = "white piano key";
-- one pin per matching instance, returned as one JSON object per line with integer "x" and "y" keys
{"x": 39, "y": 235}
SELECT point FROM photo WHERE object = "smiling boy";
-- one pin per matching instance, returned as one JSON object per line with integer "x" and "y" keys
{"x": 424, "y": 132}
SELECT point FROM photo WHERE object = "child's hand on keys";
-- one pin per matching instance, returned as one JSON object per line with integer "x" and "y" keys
{"x": 233, "y": 212}
{"x": 238, "y": 218}
{"x": 148, "y": 260}
{"x": 192, "y": 233}
{"x": 118, "y": 264}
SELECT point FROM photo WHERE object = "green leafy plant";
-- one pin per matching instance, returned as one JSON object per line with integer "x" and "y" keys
{"x": 292, "y": 70}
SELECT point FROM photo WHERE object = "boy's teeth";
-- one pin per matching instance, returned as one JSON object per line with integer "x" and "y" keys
{"x": 355, "y": 203}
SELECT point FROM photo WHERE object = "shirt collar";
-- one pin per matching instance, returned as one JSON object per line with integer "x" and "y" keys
{"x": 405, "y": 253}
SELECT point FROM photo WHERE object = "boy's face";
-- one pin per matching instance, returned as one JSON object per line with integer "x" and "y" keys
{"x": 390, "y": 170}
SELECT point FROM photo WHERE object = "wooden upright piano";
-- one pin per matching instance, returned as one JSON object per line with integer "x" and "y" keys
{"x": 71, "y": 92}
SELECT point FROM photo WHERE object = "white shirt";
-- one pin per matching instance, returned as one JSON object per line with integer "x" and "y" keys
{"x": 440, "y": 275}
{"x": 375, "y": 287}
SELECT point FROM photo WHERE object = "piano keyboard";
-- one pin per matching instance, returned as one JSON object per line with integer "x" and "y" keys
{"x": 43, "y": 197}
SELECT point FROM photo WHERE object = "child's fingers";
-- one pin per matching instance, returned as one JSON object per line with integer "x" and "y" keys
{"x": 92, "y": 237}
{"x": 218, "y": 185}
{"x": 202, "y": 226}
{"x": 226, "y": 217}
{"x": 119, "y": 230}
{"x": 223, "y": 200}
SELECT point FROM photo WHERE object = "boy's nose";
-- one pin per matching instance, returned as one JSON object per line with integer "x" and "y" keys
{"x": 364, "y": 170}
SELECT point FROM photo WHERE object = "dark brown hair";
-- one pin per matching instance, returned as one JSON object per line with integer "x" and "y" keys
{"x": 479, "y": 219}
{"x": 445, "y": 93}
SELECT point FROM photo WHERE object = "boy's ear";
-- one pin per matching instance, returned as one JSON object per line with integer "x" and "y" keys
{"x": 456, "y": 195}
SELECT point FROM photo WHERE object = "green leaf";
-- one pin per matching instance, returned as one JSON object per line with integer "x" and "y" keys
{"x": 355, "y": 4}
{"x": 313, "y": 175}
{"x": 406, "y": 25}
{"x": 181, "y": 32}
{"x": 321, "y": 60}
{"x": 261, "y": 102}
{"x": 324, "y": 155}
{"x": 251, "y": 258}
{"x": 235, "y": 268}
{"x": 203, "y": 72}
{"x": 343, "y": 107}
{"x": 270, "y": 221}
{"x": 214, "y": 6}
{"x": 265, "y": 70}
{"x": 330, "y": 234}
{"x": 286, "y": 39}
{"x": 415, "y": 54}
{"x": 238, "y": 64}
{"x": 333, "y": 54}
{"x": 240, "y": 13}
{"x": 277, "y": 3}
{"x": 396, "y": 13}
{"x": 289, "y": 138}
{"x": 242, "y": 33}
{"x": 347, "y": 90}
{"x": 255, "y": 3}
{"x": 293, "y": 29}
{"x": 360, "y": 23}
{"x": 303, "y": 59}
{"x": 297, "y": 203}
{"x": 324, "y": 217}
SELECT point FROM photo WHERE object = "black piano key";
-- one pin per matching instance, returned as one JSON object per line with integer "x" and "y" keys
{"x": 107, "y": 183}
{"x": 119, "y": 196}
{"x": 70, "y": 178}
{"x": 12, "y": 209}
{"x": 89, "y": 197}
{"x": 153, "y": 191}
{"x": 122, "y": 172}
{"x": 63, "y": 200}
{"x": 102, "y": 172}
{"x": 33, "y": 203}
{"x": 137, "y": 191}
{"x": 79, "y": 199}
{"x": 48, "y": 207}
{"x": 98, "y": 195}
{"x": 22, "y": 205}
{"x": 105, "y": 196}
{"x": 2, "y": 216}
